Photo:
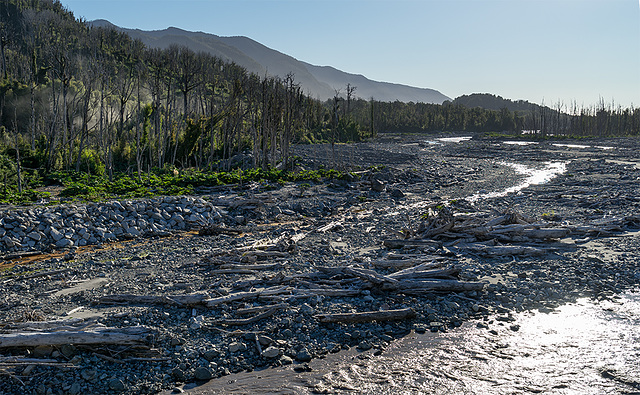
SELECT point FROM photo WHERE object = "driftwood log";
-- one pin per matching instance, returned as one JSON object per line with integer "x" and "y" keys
{"x": 180, "y": 300}
{"x": 122, "y": 336}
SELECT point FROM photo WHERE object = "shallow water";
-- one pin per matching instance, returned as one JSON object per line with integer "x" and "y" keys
{"x": 585, "y": 348}
{"x": 582, "y": 348}
{"x": 533, "y": 177}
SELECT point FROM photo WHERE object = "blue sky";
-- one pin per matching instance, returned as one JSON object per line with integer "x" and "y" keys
{"x": 536, "y": 50}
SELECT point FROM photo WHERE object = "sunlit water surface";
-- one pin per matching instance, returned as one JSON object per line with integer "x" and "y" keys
{"x": 582, "y": 348}
{"x": 533, "y": 176}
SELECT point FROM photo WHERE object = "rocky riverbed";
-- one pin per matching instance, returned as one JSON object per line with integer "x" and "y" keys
{"x": 264, "y": 275}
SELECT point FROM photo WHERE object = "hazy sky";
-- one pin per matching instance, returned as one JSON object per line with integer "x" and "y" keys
{"x": 537, "y": 50}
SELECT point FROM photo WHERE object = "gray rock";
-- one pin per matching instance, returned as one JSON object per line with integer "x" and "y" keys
{"x": 35, "y": 235}
{"x": 62, "y": 243}
{"x": 203, "y": 373}
{"x": 88, "y": 374}
{"x": 56, "y": 235}
{"x": 271, "y": 352}
{"x": 396, "y": 193}
{"x": 237, "y": 346}
{"x": 377, "y": 185}
{"x": 303, "y": 355}
{"x": 116, "y": 385}
{"x": 75, "y": 389}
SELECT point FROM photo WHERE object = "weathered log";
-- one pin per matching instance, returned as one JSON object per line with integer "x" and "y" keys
{"x": 331, "y": 227}
{"x": 247, "y": 321}
{"x": 326, "y": 292}
{"x": 363, "y": 274}
{"x": 260, "y": 309}
{"x": 54, "y": 325}
{"x": 370, "y": 276}
{"x": 246, "y": 295}
{"x": 212, "y": 230}
{"x": 546, "y": 233}
{"x": 368, "y": 316}
{"x": 419, "y": 272}
{"x": 515, "y": 250}
{"x": 425, "y": 286}
{"x": 266, "y": 254}
{"x": 180, "y": 300}
{"x": 233, "y": 266}
{"x": 396, "y": 264}
{"x": 393, "y": 244}
{"x": 124, "y": 336}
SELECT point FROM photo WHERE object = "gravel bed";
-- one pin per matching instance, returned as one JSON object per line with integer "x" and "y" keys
{"x": 150, "y": 247}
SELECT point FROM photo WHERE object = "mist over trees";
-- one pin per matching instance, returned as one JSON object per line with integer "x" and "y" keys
{"x": 93, "y": 100}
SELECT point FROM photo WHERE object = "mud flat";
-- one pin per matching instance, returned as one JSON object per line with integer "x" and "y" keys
{"x": 295, "y": 276}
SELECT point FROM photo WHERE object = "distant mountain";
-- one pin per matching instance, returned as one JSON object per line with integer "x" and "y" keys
{"x": 493, "y": 102}
{"x": 318, "y": 81}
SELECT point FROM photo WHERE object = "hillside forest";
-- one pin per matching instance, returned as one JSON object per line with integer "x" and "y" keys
{"x": 80, "y": 102}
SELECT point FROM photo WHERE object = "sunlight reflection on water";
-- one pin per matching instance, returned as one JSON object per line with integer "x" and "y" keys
{"x": 582, "y": 348}
{"x": 534, "y": 177}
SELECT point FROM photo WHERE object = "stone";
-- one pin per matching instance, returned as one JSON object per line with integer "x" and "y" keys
{"x": 211, "y": 355}
{"x": 88, "y": 374}
{"x": 178, "y": 374}
{"x": 237, "y": 346}
{"x": 55, "y": 234}
{"x": 75, "y": 389}
{"x": 62, "y": 243}
{"x": 35, "y": 236}
{"x": 303, "y": 355}
{"x": 364, "y": 345}
{"x": 202, "y": 373}
{"x": 116, "y": 385}
{"x": 271, "y": 352}
{"x": 377, "y": 185}
{"x": 396, "y": 193}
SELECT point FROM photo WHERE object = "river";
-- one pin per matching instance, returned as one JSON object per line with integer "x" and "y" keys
{"x": 586, "y": 347}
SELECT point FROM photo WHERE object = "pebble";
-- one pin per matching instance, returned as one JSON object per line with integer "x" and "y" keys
{"x": 271, "y": 352}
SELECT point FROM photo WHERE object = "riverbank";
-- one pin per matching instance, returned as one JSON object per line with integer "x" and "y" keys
{"x": 295, "y": 241}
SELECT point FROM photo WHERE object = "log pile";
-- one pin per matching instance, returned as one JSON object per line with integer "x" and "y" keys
{"x": 505, "y": 234}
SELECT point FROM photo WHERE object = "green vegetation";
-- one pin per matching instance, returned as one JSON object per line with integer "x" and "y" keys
{"x": 81, "y": 186}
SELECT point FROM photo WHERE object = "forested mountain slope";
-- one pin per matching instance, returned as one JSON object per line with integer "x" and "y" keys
{"x": 319, "y": 82}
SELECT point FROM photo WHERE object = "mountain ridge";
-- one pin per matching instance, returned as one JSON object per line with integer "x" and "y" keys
{"x": 321, "y": 82}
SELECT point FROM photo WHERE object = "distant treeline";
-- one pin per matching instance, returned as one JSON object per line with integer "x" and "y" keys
{"x": 477, "y": 113}
{"x": 94, "y": 100}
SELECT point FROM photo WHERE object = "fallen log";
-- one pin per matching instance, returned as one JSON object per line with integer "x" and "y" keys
{"x": 419, "y": 272}
{"x": 304, "y": 293}
{"x": 247, "y": 321}
{"x": 546, "y": 233}
{"x": 394, "y": 244}
{"x": 425, "y": 286}
{"x": 369, "y": 316}
{"x": 54, "y": 325}
{"x": 515, "y": 250}
{"x": 396, "y": 264}
{"x": 212, "y": 230}
{"x": 331, "y": 227}
{"x": 260, "y": 309}
{"x": 233, "y": 266}
{"x": 371, "y": 276}
{"x": 180, "y": 300}
{"x": 246, "y": 295}
{"x": 122, "y": 336}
